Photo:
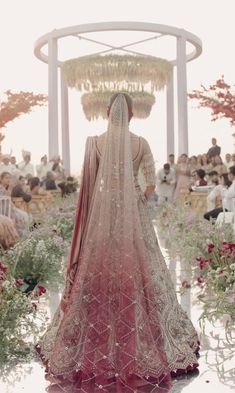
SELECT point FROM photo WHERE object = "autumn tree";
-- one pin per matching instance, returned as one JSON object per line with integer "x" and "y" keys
{"x": 16, "y": 104}
{"x": 219, "y": 97}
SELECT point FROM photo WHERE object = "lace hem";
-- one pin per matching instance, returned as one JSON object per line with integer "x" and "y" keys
{"x": 77, "y": 382}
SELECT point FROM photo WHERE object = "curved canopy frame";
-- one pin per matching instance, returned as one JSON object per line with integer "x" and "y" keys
{"x": 51, "y": 40}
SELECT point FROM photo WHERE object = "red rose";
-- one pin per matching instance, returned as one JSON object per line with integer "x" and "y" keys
{"x": 185, "y": 284}
{"x": 34, "y": 305}
{"x": 19, "y": 282}
{"x": 3, "y": 268}
{"x": 40, "y": 290}
{"x": 210, "y": 248}
{"x": 200, "y": 280}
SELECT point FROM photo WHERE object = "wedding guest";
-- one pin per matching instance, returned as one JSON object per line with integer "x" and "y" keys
{"x": 35, "y": 187}
{"x": 219, "y": 165}
{"x": 165, "y": 184}
{"x": 200, "y": 178}
{"x": 13, "y": 161}
{"x": 171, "y": 161}
{"x": 18, "y": 191}
{"x": 25, "y": 166}
{"x": 49, "y": 183}
{"x": 8, "y": 233}
{"x": 6, "y": 165}
{"x": 20, "y": 218}
{"x": 233, "y": 159}
{"x": 230, "y": 193}
{"x": 217, "y": 200}
{"x": 199, "y": 161}
{"x": 57, "y": 169}
{"x": 213, "y": 178}
{"x": 43, "y": 168}
{"x": 228, "y": 161}
{"x": 193, "y": 164}
{"x": 214, "y": 150}
{"x": 205, "y": 163}
{"x": 182, "y": 176}
{"x": 68, "y": 187}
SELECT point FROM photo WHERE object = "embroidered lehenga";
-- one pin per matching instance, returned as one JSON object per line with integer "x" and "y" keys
{"x": 119, "y": 327}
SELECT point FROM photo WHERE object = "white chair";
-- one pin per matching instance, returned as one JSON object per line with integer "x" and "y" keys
{"x": 5, "y": 206}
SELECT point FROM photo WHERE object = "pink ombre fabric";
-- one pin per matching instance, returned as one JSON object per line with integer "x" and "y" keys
{"x": 119, "y": 327}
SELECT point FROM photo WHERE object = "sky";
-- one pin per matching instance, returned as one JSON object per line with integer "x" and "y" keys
{"x": 23, "y": 22}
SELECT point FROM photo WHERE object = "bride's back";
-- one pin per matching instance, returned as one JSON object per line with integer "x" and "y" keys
{"x": 135, "y": 144}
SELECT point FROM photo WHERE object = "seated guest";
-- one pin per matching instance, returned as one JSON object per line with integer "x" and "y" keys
{"x": 228, "y": 161}
{"x": 18, "y": 190}
{"x": 5, "y": 165}
{"x": 165, "y": 184}
{"x": 200, "y": 178}
{"x": 205, "y": 163}
{"x": 229, "y": 194}
{"x": 68, "y": 187}
{"x": 217, "y": 200}
{"x": 43, "y": 168}
{"x": 57, "y": 168}
{"x": 193, "y": 164}
{"x": 199, "y": 161}
{"x": 49, "y": 183}
{"x": 218, "y": 165}
{"x": 35, "y": 187}
{"x": 213, "y": 178}
{"x": 8, "y": 233}
{"x": 171, "y": 161}
{"x": 19, "y": 217}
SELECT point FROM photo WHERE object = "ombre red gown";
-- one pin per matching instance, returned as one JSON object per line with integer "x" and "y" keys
{"x": 119, "y": 327}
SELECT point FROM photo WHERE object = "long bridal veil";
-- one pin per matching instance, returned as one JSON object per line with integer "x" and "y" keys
{"x": 110, "y": 337}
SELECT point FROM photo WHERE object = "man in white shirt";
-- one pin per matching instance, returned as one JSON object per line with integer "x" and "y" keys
{"x": 5, "y": 165}
{"x": 229, "y": 194}
{"x": 43, "y": 168}
{"x": 171, "y": 161}
{"x": 165, "y": 184}
{"x": 228, "y": 161}
{"x": 225, "y": 192}
{"x": 25, "y": 166}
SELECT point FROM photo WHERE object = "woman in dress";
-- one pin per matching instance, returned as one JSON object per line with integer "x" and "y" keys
{"x": 19, "y": 217}
{"x": 183, "y": 174}
{"x": 119, "y": 327}
{"x": 8, "y": 234}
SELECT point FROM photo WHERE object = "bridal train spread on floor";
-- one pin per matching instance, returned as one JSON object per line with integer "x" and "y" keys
{"x": 119, "y": 327}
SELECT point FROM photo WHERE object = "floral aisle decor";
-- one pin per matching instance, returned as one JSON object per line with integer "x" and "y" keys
{"x": 95, "y": 104}
{"x": 41, "y": 258}
{"x": 209, "y": 252}
{"x": 216, "y": 277}
{"x": 190, "y": 240}
{"x": 117, "y": 72}
{"x": 20, "y": 322}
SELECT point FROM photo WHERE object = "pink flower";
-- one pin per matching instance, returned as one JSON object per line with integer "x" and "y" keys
{"x": 34, "y": 305}
{"x": 19, "y": 282}
{"x": 185, "y": 284}
{"x": 3, "y": 268}
{"x": 40, "y": 290}
{"x": 210, "y": 248}
{"x": 200, "y": 280}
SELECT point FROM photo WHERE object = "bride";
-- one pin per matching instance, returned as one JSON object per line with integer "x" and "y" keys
{"x": 119, "y": 327}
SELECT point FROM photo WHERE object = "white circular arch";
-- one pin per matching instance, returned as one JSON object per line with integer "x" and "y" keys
{"x": 51, "y": 40}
